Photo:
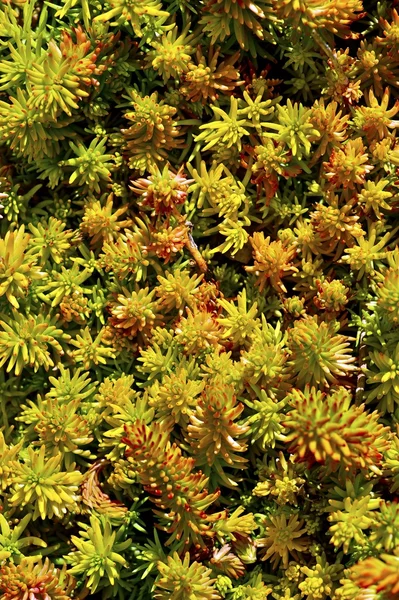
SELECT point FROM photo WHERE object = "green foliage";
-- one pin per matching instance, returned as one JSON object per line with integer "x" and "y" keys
{"x": 90, "y": 165}
{"x": 152, "y": 133}
{"x": 168, "y": 476}
{"x": 318, "y": 354}
{"x": 179, "y": 579}
{"x": 282, "y": 537}
{"x": 18, "y": 266}
{"x": 214, "y": 437}
{"x": 199, "y": 299}
{"x": 97, "y": 553}
{"x": 27, "y": 341}
{"x": 39, "y": 483}
{"x": 11, "y": 542}
{"x": 327, "y": 429}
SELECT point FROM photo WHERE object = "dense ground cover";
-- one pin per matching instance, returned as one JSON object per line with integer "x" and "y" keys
{"x": 199, "y": 300}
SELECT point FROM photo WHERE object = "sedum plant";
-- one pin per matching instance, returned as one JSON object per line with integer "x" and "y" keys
{"x": 326, "y": 428}
{"x": 175, "y": 488}
{"x": 18, "y": 266}
{"x": 28, "y": 341}
{"x": 41, "y": 484}
{"x": 41, "y": 579}
{"x": 214, "y": 437}
{"x": 180, "y": 579}
{"x": 318, "y": 355}
{"x": 199, "y": 299}
{"x": 97, "y": 553}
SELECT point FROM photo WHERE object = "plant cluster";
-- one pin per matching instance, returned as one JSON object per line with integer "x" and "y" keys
{"x": 199, "y": 299}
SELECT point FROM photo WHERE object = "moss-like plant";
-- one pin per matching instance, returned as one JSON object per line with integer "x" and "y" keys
{"x": 199, "y": 299}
